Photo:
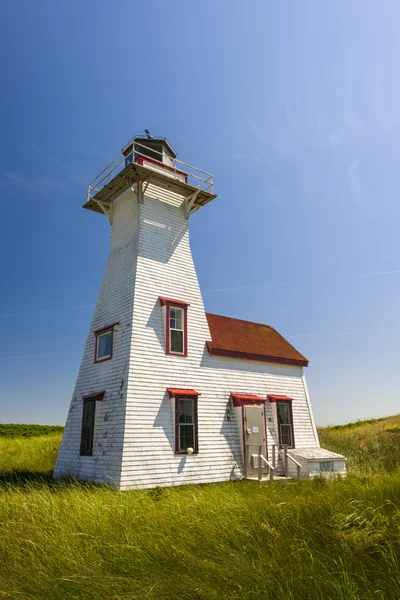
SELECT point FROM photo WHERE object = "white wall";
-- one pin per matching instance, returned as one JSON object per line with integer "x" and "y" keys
{"x": 134, "y": 432}
{"x": 165, "y": 268}
{"x": 115, "y": 303}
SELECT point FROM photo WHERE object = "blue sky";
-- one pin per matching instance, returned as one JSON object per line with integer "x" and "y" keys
{"x": 295, "y": 108}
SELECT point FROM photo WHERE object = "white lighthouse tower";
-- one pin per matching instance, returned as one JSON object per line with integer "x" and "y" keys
{"x": 165, "y": 390}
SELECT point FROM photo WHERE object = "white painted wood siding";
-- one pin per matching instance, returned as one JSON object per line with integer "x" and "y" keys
{"x": 114, "y": 304}
{"x": 134, "y": 443}
{"x": 165, "y": 268}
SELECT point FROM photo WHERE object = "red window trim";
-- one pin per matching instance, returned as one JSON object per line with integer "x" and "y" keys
{"x": 286, "y": 400}
{"x": 246, "y": 399}
{"x": 278, "y": 398}
{"x": 193, "y": 397}
{"x": 182, "y": 305}
{"x": 173, "y": 392}
{"x": 99, "y": 396}
{"x": 97, "y": 333}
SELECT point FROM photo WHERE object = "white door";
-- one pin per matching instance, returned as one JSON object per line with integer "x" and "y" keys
{"x": 254, "y": 437}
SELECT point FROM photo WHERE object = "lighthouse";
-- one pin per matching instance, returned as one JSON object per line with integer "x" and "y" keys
{"x": 166, "y": 393}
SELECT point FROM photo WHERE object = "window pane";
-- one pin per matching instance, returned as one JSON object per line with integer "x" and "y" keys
{"x": 326, "y": 466}
{"x": 179, "y": 319}
{"x": 186, "y": 411}
{"x": 283, "y": 413}
{"x": 176, "y": 341}
{"x": 186, "y": 436}
{"x": 286, "y": 435}
{"x": 104, "y": 345}
{"x": 176, "y": 318}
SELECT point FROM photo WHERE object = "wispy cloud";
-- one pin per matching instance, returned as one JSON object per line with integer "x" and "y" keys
{"x": 355, "y": 181}
{"x": 29, "y": 356}
{"x": 353, "y": 332}
{"x": 45, "y": 311}
{"x": 336, "y": 136}
{"x": 39, "y": 185}
{"x": 50, "y": 158}
{"x": 248, "y": 287}
{"x": 373, "y": 274}
{"x": 281, "y": 283}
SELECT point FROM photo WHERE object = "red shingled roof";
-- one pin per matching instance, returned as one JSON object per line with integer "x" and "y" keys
{"x": 244, "y": 339}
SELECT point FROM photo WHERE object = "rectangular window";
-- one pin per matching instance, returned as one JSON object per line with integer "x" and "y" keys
{"x": 176, "y": 330}
{"x": 104, "y": 343}
{"x": 176, "y": 326}
{"x": 285, "y": 423}
{"x": 326, "y": 466}
{"x": 185, "y": 425}
{"x": 87, "y": 434}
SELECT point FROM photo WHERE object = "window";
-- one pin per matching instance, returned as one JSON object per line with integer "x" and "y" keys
{"x": 285, "y": 423}
{"x": 176, "y": 326}
{"x": 326, "y": 466}
{"x": 88, "y": 415}
{"x": 104, "y": 343}
{"x": 87, "y": 435}
{"x": 185, "y": 424}
{"x": 176, "y": 330}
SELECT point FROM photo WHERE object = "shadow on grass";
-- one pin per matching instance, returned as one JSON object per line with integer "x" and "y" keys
{"x": 39, "y": 479}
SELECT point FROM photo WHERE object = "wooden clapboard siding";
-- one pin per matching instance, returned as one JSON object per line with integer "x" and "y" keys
{"x": 134, "y": 441}
{"x": 165, "y": 268}
{"x": 114, "y": 304}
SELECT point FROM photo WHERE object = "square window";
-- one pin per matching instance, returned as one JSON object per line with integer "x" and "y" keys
{"x": 104, "y": 344}
{"x": 326, "y": 466}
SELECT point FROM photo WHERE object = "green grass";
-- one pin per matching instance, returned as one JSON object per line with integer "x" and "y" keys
{"x": 301, "y": 541}
{"x": 371, "y": 447}
{"x": 14, "y": 430}
{"x": 21, "y": 457}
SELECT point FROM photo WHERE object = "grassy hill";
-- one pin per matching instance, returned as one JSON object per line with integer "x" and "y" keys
{"x": 371, "y": 447}
{"x": 302, "y": 540}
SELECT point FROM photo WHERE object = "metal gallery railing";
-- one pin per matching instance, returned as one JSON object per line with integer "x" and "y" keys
{"x": 177, "y": 169}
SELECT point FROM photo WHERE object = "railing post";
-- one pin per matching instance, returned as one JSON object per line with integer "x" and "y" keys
{"x": 298, "y": 471}
{"x": 271, "y": 471}
{"x": 259, "y": 463}
{"x": 285, "y": 460}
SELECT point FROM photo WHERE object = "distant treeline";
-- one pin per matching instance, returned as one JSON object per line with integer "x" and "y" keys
{"x": 15, "y": 430}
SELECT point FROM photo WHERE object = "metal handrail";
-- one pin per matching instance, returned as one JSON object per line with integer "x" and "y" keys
{"x": 267, "y": 463}
{"x": 203, "y": 183}
{"x": 294, "y": 460}
{"x": 260, "y": 458}
{"x": 285, "y": 462}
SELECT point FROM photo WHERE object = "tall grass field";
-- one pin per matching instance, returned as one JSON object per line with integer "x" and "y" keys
{"x": 240, "y": 540}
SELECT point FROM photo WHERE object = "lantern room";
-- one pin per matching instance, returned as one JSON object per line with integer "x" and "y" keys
{"x": 148, "y": 160}
{"x": 151, "y": 148}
